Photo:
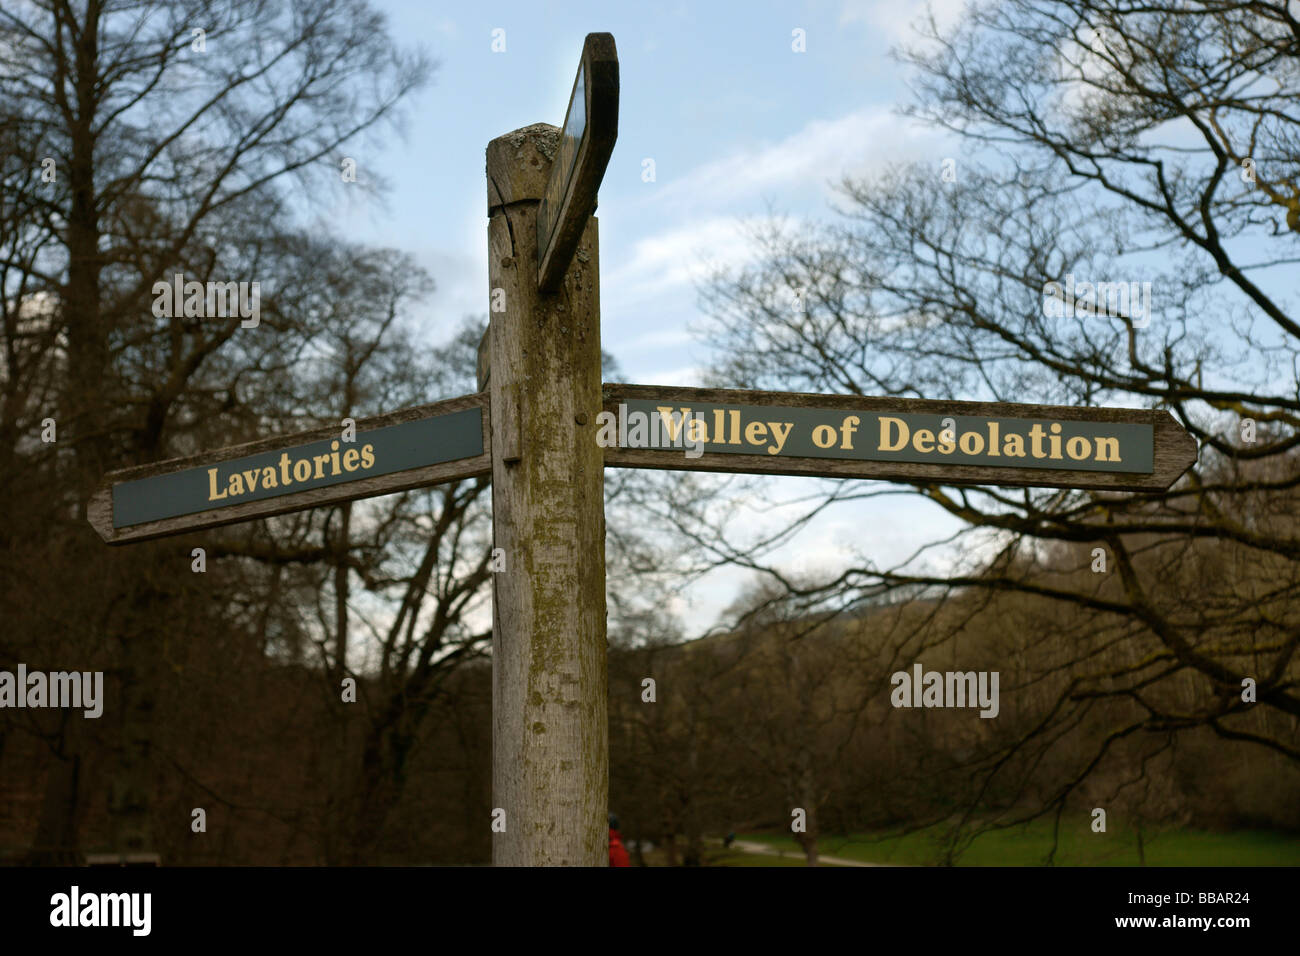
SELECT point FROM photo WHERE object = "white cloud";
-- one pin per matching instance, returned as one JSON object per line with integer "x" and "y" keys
{"x": 461, "y": 289}
{"x": 816, "y": 155}
{"x": 711, "y": 206}
{"x": 688, "y": 377}
{"x": 678, "y": 256}
{"x": 896, "y": 19}
{"x": 668, "y": 336}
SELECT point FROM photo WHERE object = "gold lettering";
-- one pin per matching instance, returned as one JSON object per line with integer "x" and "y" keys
{"x": 1108, "y": 449}
{"x": 212, "y": 486}
{"x": 1084, "y": 446}
{"x": 1055, "y": 441}
{"x": 886, "y": 426}
{"x": 781, "y": 430}
{"x": 672, "y": 426}
{"x": 973, "y": 447}
{"x": 1036, "y": 435}
{"x": 847, "y": 428}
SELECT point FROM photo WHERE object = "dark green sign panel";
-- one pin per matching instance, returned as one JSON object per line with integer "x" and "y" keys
{"x": 892, "y": 439}
{"x": 862, "y": 435}
{"x": 412, "y": 448}
{"x": 319, "y": 464}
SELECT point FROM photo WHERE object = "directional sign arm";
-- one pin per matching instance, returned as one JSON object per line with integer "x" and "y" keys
{"x": 586, "y": 142}
{"x": 1117, "y": 449}
{"x": 412, "y": 448}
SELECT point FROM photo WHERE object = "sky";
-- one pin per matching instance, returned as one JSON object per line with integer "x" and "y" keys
{"x": 738, "y": 124}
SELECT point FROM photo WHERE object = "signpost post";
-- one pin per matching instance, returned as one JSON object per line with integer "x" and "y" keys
{"x": 549, "y": 683}
{"x": 545, "y": 428}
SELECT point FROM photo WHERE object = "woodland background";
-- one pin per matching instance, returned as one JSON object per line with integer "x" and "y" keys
{"x": 1105, "y": 140}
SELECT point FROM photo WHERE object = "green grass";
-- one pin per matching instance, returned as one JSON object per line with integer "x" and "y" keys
{"x": 1027, "y": 845}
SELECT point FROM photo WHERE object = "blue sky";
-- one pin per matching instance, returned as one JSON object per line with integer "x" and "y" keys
{"x": 735, "y": 121}
{"x": 738, "y": 125}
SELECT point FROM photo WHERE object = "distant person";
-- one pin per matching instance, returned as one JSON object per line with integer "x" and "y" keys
{"x": 617, "y": 853}
{"x": 729, "y": 839}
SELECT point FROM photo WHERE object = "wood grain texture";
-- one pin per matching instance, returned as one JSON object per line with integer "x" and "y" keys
{"x": 509, "y": 422}
{"x": 1175, "y": 449}
{"x": 550, "y": 738}
{"x": 519, "y": 165}
{"x": 483, "y": 367}
{"x": 100, "y": 509}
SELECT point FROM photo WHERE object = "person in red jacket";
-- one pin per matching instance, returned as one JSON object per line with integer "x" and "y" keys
{"x": 617, "y": 854}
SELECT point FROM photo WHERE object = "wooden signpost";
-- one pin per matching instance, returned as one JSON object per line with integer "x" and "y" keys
{"x": 545, "y": 428}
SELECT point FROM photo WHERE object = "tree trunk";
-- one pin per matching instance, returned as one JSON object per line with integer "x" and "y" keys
{"x": 808, "y": 800}
{"x": 55, "y": 843}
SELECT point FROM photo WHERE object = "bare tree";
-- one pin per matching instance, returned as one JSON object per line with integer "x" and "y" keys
{"x": 147, "y": 139}
{"x": 1117, "y": 144}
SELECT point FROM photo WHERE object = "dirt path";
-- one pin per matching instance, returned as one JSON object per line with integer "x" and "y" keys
{"x": 766, "y": 850}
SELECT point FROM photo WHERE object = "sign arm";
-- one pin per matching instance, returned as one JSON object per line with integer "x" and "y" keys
{"x": 894, "y": 439}
{"x": 425, "y": 445}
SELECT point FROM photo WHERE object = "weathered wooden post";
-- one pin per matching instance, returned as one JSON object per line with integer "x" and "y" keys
{"x": 550, "y": 736}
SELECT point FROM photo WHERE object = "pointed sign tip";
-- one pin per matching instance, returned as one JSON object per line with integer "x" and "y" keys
{"x": 99, "y": 511}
